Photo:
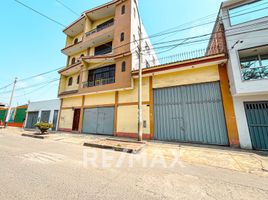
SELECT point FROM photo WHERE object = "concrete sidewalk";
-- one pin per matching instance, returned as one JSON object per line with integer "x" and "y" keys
{"x": 220, "y": 157}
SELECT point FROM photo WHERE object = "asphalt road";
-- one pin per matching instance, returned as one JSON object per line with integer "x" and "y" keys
{"x": 43, "y": 169}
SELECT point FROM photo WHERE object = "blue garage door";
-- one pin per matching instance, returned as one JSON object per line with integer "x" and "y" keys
{"x": 192, "y": 113}
{"x": 99, "y": 121}
{"x": 257, "y": 117}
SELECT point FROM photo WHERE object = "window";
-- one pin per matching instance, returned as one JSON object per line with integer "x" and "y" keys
{"x": 101, "y": 76}
{"x": 103, "y": 49}
{"x": 75, "y": 40}
{"x": 147, "y": 64}
{"x": 254, "y": 63}
{"x": 105, "y": 25}
{"x": 123, "y": 66}
{"x": 134, "y": 12}
{"x": 73, "y": 61}
{"x": 122, "y": 37}
{"x": 123, "y": 10}
{"x": 70, "y": 81}
{"x": 134, "y": 38}
{"x": 82, "y": 55}
{"x": 248, "y": 12}
{"x": 78, "y": 79}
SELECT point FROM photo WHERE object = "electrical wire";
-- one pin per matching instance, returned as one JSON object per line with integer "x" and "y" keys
{"x": 43, "y": 15}
{"x": 68, "y": 8}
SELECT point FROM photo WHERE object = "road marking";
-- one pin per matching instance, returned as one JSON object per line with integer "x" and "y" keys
{"x": 43, "y": 157}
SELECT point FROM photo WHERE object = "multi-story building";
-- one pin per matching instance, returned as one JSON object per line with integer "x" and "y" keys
{"x": 102, "y": 49}
{"x": 245, "y": 26}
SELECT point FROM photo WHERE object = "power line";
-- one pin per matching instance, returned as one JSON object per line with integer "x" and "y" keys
{"x": 31, "y": 86}
{"x": 31, "y": 77}
{"x": 2, "y": 88}
{"x": 41, "y": 14}
{"x": 68, "y": 8}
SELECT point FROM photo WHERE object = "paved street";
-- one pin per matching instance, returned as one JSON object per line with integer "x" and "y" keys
{"x": 47, "y": 169}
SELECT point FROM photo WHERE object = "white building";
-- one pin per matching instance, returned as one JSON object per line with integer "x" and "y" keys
{"x": 43, "y": 111}
{"x": 246, "y": 30}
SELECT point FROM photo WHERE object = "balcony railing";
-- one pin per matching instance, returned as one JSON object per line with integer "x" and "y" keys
{"x": 98, "y": 82}
{"x": 254, "y": 73}
{"x": 96, "y": 30}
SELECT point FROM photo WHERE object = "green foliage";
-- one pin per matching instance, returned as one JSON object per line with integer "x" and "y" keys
{"x": 43, "y": 126}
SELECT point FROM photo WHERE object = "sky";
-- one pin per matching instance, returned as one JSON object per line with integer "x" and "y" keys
{"x": 31, "y": 44}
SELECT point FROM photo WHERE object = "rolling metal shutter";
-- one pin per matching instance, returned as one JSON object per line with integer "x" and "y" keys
{"x": 99, "y": 121}
{"x": 257, "y": 117}
{"x": 32, "y": 119}
{"x": 192, "y": 113}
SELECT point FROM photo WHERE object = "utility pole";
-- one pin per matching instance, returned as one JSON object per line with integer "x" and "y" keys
{"x": 140, "y": 79}
{"x": 10, "y": 101}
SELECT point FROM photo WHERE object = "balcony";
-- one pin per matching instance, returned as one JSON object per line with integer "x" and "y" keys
{"x": 103, "y": 33}
{"x": 104, "y": 81}
{"x": 100, "y": 28}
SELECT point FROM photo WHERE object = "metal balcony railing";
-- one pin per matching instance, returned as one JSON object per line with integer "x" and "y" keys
{"x": 98, "y": 82}
{"x": 254, "y": 73}
{"x": 96, "y": 30}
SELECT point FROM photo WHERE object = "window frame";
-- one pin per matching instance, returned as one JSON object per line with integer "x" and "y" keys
{"x": 122, "y": 37}
{"x": 123, "y": 66}
{"x": 234, "y": 7}
{"x": 99, "y": 74}
{"x": 258, "y": 55}
{"x": 70, "y": 81}
{"x": 73, "y": 61}
{"x": 123, "y": 9}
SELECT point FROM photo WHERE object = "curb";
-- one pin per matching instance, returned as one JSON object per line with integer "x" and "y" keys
{"x": 35, "y": 136}
{"x": 121, "y": 149}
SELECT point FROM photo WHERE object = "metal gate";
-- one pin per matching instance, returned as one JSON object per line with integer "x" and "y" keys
{"x": 99, "y": 121}
{"x": 45, "y": 116}
{"x": 31, "y": 119}
{"x": 192, "y": 113}
{"x": 257, "y": 117}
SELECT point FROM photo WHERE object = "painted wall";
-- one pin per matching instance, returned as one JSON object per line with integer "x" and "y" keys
{"x": 132, "y": 95}
{"x": 242, "y": 124}
{"x": 250, "y": 40}
{"x": 72, "y": 102}
{"x": 66, "y": 119}
{"x": 100, "y": 99}
{"x": 127, "y": 121}
{"x": 39, "y": 106}
{"x": 198, "y": 75}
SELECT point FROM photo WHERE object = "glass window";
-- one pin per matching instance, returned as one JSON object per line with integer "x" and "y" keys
{"x": 73, "y": 61}
{"x": 123, "y": 67}
{"x": 70, "y": 81}
{"x": 101, "y": 76}
{"x": 250, "y": 62}
{"x": 254, "y": 63}
{"x": 103, "y": 49}
{"x": 78, "y": 79}
{"x": 122, "y": 37}
{"x": 248, "y": 12}
{"x": 264, "y": 60}
{"x": 123, "y": 10}
{"x": 75, "y": 40}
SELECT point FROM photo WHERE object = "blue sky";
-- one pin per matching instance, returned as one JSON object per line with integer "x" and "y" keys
{"x": 30, "y": 44}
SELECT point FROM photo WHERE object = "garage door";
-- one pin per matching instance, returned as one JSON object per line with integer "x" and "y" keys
{"x": 31, "y": 119}
{"x": 99, "y": 121}
{"x": 191, "y": 113}
{"x": 257, "y": 117}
